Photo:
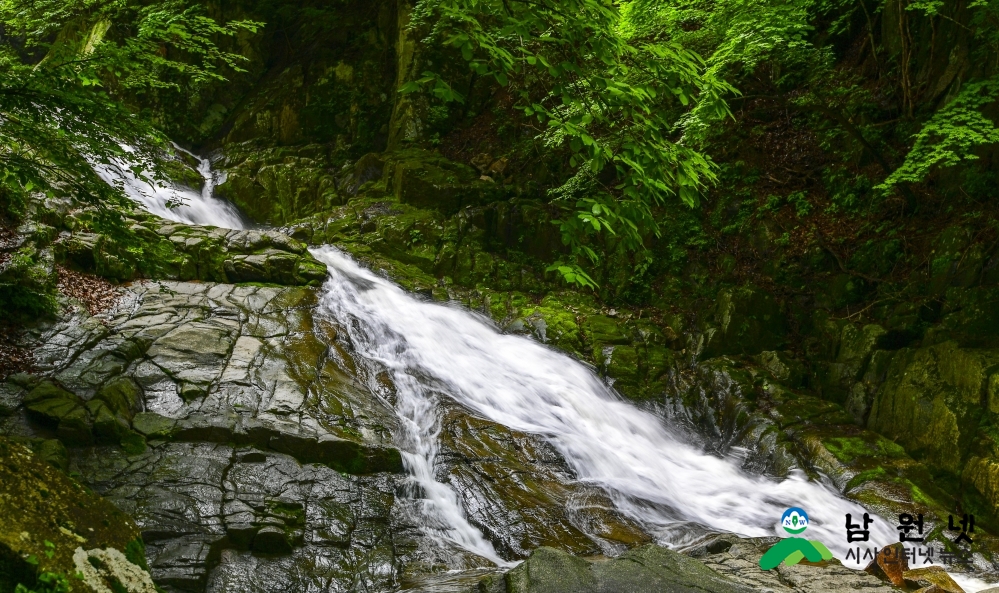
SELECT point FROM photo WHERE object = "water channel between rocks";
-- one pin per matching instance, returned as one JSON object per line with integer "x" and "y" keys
{"x": 622, "y": 469}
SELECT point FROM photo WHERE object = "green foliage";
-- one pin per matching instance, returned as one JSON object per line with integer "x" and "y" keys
{"x": 573, "y": 274}
{"x": 12, "y": 202}
{"x": 47, "y": 582}
{"x": 951, "y": 136}
{"x": 63, "y": 67}
{"x": 26, "y": 287}
{"x": 955, "y": 131}
{"x": 627, "y": 114}
{"x": 735, "y": 36}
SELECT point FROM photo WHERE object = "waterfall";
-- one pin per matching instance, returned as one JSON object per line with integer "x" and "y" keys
{"x": 651, "y": 472}
{"x": 439, "y": 507}
{"x": 175, "y": 202}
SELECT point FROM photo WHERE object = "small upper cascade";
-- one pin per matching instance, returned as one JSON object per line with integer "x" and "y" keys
{"x": 175, "y": 202}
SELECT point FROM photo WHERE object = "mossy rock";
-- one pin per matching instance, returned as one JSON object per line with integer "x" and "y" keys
{"x": 746, "y": 320}
{"x": 50, "y": 450}
{"x": 783, "y": 367}
{"x": 108, "y": 427}
{"x": 154, "y": 426}
{"x": 40, "y": 504}
{"x": 165, "y": 250}
{"x": 931, "y": 402}
{"x": 954, "y": 261}
{"x": 646, "y": 569}
{"x": 53, "y": 406}
{"x": 48, "y": 390}
{"x": 426, "y": 180}
{"x": 122, "y": 396}
{"x": 604, "y": 331}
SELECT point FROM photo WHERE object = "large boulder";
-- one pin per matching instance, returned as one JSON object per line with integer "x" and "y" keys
{"x": 425, "y": 180}
{"x": 50, "y": 522}
{"x": 648, "y": 569}
{"x": 526, "y": 495}
{"x": 931, "y": 402}
{"x": 163, "y": 249}
{"x": 278, "y": 185}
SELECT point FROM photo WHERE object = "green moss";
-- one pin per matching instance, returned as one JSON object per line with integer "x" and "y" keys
{"x": 292, "y": 514}
{"x": 850, "y": 449}
{"x": 878, "y": 473}
{"x": 920, "y": 497}
{"x": 51, "y": 450}
{"x": 278, "y": 185}
{"x": 41, "y": 504}
{"x": 560, "y": 323}
{"x": 133, "y": 443}
{"x": 27, "y": 285}
{"x": 182, "y": 172}
{"x": 135, "y": 552}
{"x": 122, "y": 396}
{"x": 931, "y": 402}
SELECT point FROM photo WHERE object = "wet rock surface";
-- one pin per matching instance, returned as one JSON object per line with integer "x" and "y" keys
{"x": 732, "y": 567}
{"x": 223, "y": 518}
{"x": 519, "y": 491}
{"x": 204, "y": 397}
{"x": 185, "y": 252}
{"x": 237, "y": 428}
{"x": 207, "y": 362}
{"x": 646, "y": 569}
{"x": 47, "y": 517}
{"x": 232, "y": 428}
{"x": 738, "y": 559}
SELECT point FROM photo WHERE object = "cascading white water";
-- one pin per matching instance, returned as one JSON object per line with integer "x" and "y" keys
{"x": 440, "y": 511}
{"x": 438, "y": 504}
{"x": 175, "y": 202}
{"x": 653, "y": 475}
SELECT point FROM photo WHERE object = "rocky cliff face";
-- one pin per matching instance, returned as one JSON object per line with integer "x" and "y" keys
{"x": 232, "y": 427}
{"x": 254, "y": 452}
{"x": 237, "y": 428}
{"x": 235, "y": 425}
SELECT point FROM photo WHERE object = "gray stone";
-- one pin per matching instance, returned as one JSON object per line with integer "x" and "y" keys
{"x": 11, "y": 396}
{"x": 520, "y": 491}
{"x": 649, "y": 569}
{"x": 271, "y": 540}
{"x": 197, "y": 504}
{"x": 193, "y": 353}
{"x": 740, "y": 562}
{"x": 153, "y": 425}
{"x": 241, "y": 534}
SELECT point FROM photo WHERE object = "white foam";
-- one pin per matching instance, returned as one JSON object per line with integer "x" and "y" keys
{"x": 653, "y": 475}
{"x": 201, "y": 208}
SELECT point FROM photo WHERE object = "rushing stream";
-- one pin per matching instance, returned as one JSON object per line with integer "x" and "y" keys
{"x": 430, "y": 350}
{"x": 652, "y": 475}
